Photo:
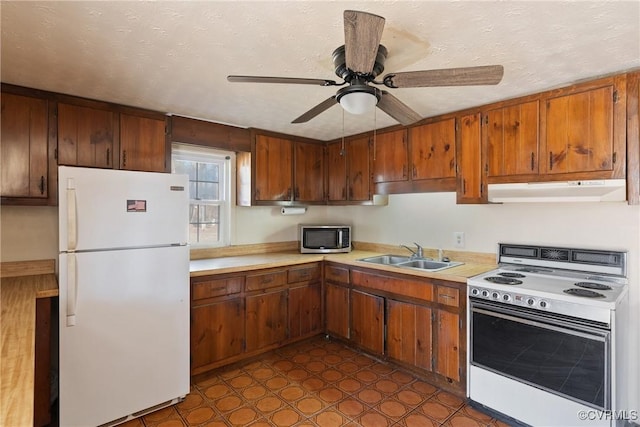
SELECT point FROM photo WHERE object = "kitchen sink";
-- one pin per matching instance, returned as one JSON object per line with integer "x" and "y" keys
{"x": 386, "y": 259}
{"x": 429, "y": 265}
{"x": 408, "y": 262}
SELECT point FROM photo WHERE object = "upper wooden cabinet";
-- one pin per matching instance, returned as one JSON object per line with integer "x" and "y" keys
{"x": 286, "y": 170}
{"x": 433, "y": 150}
{"x": 390, "y": 157}
{"x": 86, "y": 136}
{"x": 144, "y": 145}
{"x": 583, "y": 129}
{"x": 24, "y": 149}
{"x": 349, "y": 171}
{"x": 272, "y": 166}
{"x": 511, "y": 138}
{"x": 308, "y": 172}
{"x": 633, "y": 138}
{"x": 471, "y": 176}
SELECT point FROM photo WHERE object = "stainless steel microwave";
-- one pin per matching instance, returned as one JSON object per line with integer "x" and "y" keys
{"x": 325, "y": 239}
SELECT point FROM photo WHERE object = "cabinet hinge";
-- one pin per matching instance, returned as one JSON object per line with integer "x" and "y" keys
{"x": 615, "y": 96}
{"x": 55, "y": 153}
{"x": 457, "y": 126}
{"x": 614, "y": 157}
{"x": 484, "y": 120}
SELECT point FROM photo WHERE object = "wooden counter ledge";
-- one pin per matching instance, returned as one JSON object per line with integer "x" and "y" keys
{"x": 21, "y": 283}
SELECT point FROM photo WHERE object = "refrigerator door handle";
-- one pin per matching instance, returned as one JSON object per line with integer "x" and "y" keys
{"x": 72, "y": 289}
{"x": 72, "y": 220}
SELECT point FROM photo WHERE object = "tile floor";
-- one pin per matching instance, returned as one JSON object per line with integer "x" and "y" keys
{"x": 316, "y": 383}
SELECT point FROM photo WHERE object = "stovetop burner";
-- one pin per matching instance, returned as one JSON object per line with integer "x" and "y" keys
{"x": 512, "y": 275}
{"x": 592, "y": 285}
{"x": 503, "y": 280}
{"x": 583, "y": 293}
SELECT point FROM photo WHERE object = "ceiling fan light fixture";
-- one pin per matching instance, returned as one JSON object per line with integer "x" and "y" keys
{"x": 358, "y": 102}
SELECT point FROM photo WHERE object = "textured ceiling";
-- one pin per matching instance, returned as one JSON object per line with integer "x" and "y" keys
{"x": 175, "y": 56}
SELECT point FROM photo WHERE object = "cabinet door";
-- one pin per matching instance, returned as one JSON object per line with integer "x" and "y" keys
{"x": 85, "y": 136}
{"x": 336, "y": 172}
{"x": 580, "y": 131}
{"x": 367, "y": 321}
{"x": 217, "y": 332}
{"x": 273, "y": 169}
{"x": 143, "y": 144}
{"x": 24, "y": 151}
{"x": 471, "y": 173}
{"x": 266, "y": 319}
{"x": 305, "y": 316}
{"x": 308, "y": 172}
{"x": 448, "y": 345}
{"x": 433, "y": 150}
{"x": 358, "y": 170}
{"x": 337, "y": 310}
{"x": 409, "y": 337}
{"x": 390, "y": 159}
{"x": 512, "y": 139}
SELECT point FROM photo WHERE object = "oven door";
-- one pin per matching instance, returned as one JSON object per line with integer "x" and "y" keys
{"x": 561, "y": 355}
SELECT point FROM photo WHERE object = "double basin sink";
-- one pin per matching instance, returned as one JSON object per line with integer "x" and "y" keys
{"x": 423, "y": 264}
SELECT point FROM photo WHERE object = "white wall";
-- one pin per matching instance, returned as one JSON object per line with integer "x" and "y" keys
{"x": 28, "y": 233}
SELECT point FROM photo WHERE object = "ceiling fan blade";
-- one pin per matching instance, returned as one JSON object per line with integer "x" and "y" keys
{"x": 469, "y": 76}
{"x": 397, "y": 109}
{"x": 324, "y": 105}
{"x": 290, "y": 80}
{"x": 362, "y": 34}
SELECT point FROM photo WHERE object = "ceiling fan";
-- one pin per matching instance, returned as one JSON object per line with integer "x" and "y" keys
{"x": 361, "y": 59}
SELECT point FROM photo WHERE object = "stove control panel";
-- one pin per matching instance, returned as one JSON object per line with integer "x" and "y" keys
{"x": 510, "y": 298}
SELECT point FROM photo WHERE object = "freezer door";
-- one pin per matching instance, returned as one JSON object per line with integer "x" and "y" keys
{"x": 106, "y": 209}
{"x": 128, "y": 346}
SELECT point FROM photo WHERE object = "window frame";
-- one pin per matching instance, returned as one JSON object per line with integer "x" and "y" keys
{"x": 196, "y": 153}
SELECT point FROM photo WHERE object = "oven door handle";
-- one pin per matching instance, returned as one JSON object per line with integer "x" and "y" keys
{"x": 598, "y": 335}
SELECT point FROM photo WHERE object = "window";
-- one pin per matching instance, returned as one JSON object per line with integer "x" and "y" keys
{"x": 209, "y": 172}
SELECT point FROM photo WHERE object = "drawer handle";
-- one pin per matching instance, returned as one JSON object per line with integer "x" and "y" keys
{"x": 221, "y": 288}
{"x": 446, "y": 296}
{"x": 267, "y": 280}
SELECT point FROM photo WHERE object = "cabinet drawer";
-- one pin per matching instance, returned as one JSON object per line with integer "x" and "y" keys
{"x": 418, "y": 288}
{"x": 448, "y": 296}
{"x": 304, "y": 273}
{"x": 216, "y": 288}
{"x": 266, "y": 280}
{"x": 336, "y": 274}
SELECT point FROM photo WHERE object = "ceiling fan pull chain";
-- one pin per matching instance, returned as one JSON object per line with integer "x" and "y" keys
{"x": 375, "y": 127}
{"x": 342, "y": 148}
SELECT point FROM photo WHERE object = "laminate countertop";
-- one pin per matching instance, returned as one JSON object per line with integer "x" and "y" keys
{"x": 205, "y": 267}
{"x": 21, "y": 283}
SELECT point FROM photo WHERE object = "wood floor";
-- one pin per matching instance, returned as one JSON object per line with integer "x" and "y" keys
{"x": 316, "y": 383}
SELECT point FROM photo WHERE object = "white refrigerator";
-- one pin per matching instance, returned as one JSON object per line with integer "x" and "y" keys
{"x": 124, "y": 293}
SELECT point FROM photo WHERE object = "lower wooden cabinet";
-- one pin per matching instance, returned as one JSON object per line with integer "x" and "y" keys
{"x": 217, "y": 332}
{"x": 448, "y": 361}
{"x": 240, "y": 315}
{"x": 305, "y": 310}
{"x": 416, "y": 322}
{"x": 409, "y": 333}
{"x": 367, "y": 321}
{"x": 266, "y": 319}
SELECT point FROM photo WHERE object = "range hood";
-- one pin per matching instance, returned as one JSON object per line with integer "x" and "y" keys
{"x": 606, "y": 190}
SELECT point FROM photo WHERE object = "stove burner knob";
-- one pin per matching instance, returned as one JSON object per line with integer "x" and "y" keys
{"x": 531, "y": 301}
{"x": 475, "y": 291}
{"x": 495, "y": 295}
{"x": 485, "y": 293}
{"x": 506, "y": 297}
{"x": 544, "y": 304}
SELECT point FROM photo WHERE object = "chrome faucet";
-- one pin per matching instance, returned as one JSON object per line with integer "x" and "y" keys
{"x": 418, "y": 253}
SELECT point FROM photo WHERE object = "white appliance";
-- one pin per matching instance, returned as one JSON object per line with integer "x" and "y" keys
{"x": 603, "y": 190}
{"x": 124, "y": 293}
{"x": 545, "y": 342}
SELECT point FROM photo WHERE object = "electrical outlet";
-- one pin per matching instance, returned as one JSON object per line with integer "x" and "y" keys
{"x": 458, "y": 239}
